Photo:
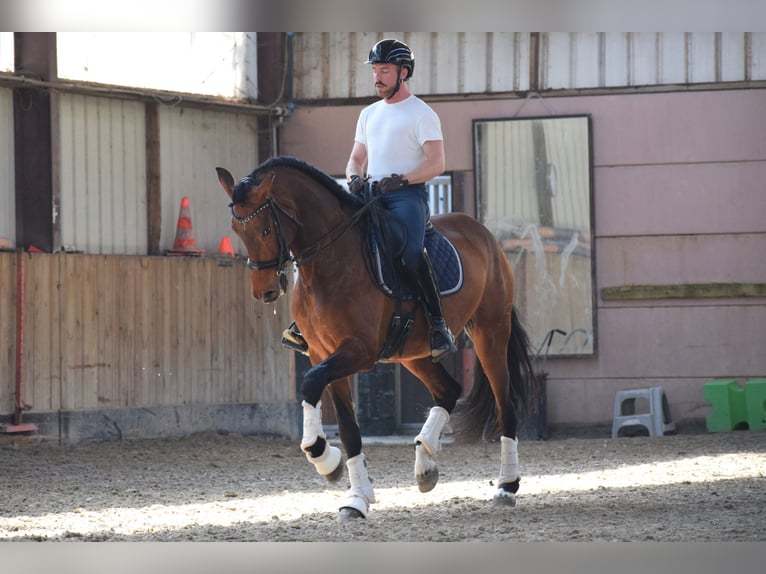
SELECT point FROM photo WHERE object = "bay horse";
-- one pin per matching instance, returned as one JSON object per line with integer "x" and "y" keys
{"x": 288, "y": 212}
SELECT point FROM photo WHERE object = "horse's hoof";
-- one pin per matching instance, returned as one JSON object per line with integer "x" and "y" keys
{"x": 347, "y": 514}
{"x": 336, "y": 474}
{"x": 428, "y": 479}
{"x": 504, "y": 498}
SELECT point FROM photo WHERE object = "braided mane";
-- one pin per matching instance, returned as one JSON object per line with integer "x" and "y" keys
{"x": 286, "y": 161}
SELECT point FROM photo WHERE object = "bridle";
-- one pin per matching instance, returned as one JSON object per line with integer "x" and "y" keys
{"x": 285, "y": 258}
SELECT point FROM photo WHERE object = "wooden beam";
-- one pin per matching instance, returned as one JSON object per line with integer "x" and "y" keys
{"x": 683, "y": 291}
{"x": 153, "y": 181}
{"x": 272, "y": 82}
{"x": 534, "y": 61}
{"x": 37, "y": 197}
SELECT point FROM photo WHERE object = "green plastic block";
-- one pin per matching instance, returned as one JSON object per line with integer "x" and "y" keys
{"x": 727, "y": 398}
{"x": 755, "y": 396}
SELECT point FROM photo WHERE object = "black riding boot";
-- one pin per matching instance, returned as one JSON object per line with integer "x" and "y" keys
{"x": 292, "y": 339}
{"x": 440, "y": 337}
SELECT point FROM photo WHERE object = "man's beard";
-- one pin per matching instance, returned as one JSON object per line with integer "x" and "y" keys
{"x": 384, "y": 91}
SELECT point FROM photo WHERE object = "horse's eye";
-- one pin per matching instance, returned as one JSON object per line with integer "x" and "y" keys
{"x": 267, "y": 231}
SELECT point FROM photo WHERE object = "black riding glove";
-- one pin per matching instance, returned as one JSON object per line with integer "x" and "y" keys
{"x": 355, "y": 184}
{"x": 392, "y": 183}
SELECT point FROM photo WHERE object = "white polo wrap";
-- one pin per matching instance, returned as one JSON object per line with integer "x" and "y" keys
{"x": 312, "y": 424}
{"x": 432, "y": 429}
{"x": 509, "y": 460}
{"x": 329, "y": 460}
{"x": 360, "y": 495}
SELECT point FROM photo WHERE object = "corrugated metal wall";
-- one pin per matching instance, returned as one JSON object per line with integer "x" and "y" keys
{"x": 331, "y": 65}
{"x": 587, "y": 60}
{"x": 103, "y": 172}
{"x": 7, "y": 168}
{"x": 103, "y": 175}
{"x": 508, "y": 170}
{"x": 509, "y": 164}
{"x": 194, "y": 143}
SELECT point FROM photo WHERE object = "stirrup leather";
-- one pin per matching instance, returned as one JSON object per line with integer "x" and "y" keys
{"x": 440, "y": 337}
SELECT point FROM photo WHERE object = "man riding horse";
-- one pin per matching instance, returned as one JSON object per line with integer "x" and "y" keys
{"x": 399, "y": 146}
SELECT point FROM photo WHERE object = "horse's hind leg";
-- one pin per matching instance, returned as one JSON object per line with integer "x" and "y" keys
{"x": 445, "y": 390}
{"x": 492, "y": 353}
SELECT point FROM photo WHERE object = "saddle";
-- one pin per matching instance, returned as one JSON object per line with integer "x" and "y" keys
{"x": 385, "y": 240}
{"x": 386, "y": 237}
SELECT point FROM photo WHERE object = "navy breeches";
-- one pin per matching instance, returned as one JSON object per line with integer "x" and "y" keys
{"x": 410, "y": 206}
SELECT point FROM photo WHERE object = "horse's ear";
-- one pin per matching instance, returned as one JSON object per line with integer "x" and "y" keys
{"x": 226, "y": 180}
{"x": 265, "y": 184}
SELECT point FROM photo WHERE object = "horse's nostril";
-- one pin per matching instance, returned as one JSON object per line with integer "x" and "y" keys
{"x": 271, "y": 296}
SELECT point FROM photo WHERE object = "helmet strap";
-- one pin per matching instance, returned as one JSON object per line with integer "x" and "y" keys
{"x": 398, "y": 81}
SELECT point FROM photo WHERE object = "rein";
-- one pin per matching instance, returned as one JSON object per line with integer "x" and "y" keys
{"x": 317, "y": 246}
{"x": 285, "y": 258}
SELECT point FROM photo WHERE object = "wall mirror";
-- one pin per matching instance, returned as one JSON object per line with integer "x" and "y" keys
{"x": 534, "y": 190}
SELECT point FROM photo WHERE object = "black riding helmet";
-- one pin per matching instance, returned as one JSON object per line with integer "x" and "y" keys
{"x": 390, "y": 51}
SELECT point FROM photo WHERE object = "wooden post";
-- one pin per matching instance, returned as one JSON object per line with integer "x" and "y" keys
{"x": 35, "y": 140}
{"x": 153, "y": 185}
{"x": 271, "y": 86}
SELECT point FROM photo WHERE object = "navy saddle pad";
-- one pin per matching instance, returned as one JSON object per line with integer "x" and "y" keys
{"x": 444, "y": 258}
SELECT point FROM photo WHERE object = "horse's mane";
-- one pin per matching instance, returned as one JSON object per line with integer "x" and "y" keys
{"x": 285, "y": 161}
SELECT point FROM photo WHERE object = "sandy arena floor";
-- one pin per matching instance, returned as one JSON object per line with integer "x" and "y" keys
{"x": 695, "y": 487}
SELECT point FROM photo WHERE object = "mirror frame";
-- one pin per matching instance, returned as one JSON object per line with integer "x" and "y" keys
{"x": 480, "y": 198}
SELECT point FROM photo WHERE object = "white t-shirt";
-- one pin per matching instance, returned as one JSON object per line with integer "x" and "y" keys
{"x": 394, "y": 135}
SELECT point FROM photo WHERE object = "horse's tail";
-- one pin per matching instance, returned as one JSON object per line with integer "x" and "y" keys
{"x": 474, "y": 417}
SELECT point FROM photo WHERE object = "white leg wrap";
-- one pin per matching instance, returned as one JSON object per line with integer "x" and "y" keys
{"x": 329, "y": 460}
{"x": 360, "y": 495}
{"x": 326, "y": 462}
{"x": 432, "y": 429}
{"x": 312, "y": 424}
{"x": 509, "y": 460}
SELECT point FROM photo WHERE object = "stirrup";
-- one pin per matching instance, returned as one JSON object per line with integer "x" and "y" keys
{"x": 292, "y": 339}
{"x": 440, "y": 349}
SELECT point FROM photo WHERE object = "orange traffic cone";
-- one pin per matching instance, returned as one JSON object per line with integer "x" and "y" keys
{"x": 225, "y": 248}
{"x": 184, "y": 243}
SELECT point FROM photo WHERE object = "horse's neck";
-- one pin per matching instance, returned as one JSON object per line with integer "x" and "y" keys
{"x": 327, "y": 238}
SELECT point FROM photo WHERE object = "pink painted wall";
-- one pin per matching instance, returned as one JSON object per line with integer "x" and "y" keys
{"x": 679, "y": 197}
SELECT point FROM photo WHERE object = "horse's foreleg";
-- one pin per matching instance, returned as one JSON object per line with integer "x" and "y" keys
{"x": 445, "y": 391}
{"x": 325, "y": 457}
{"x": 334, "y": 371}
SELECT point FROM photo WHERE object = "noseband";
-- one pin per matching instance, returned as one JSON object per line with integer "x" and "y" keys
{"x": 284, "y": 258}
